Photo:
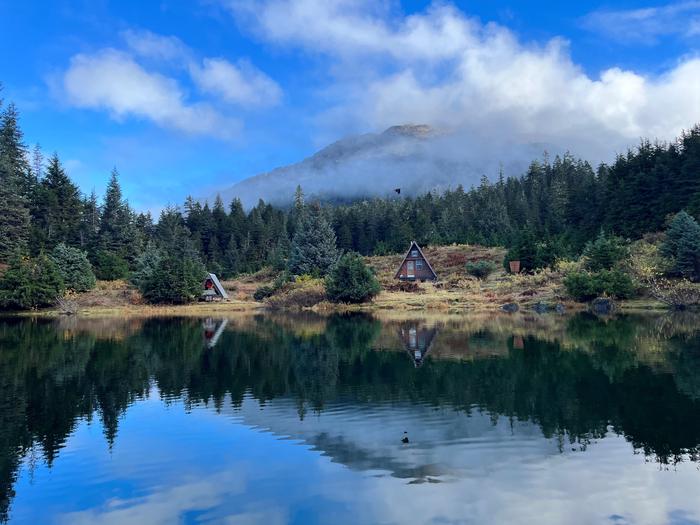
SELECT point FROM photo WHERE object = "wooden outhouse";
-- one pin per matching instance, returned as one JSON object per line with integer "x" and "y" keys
{"x": 415, "y": 266}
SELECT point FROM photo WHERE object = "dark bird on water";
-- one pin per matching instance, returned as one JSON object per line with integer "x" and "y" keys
{"x": 404, "y": 439}
{"x": 398, "y": 190}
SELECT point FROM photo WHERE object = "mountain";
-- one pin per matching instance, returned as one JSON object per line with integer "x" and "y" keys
{"x": 415, "y": 158}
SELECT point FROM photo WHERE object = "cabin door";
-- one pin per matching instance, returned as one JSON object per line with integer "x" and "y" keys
{"x": 410, "y": 269}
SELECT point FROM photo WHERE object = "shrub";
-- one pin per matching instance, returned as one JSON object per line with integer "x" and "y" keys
{"x": 682, "y": 246}
{"x": 584, "y": 286}
{"x": 351, "y": 281}
{"x": 74, "y": 267}
{"x": 174, "y": 280}
{"x": 480, "y": 269}
{"x": 604, "y": 253}
{"x": 263, "y": 292}
{"x": 30, "y": 283}
{"x": 303, "y": 294}
{"x": 110, "y": 267}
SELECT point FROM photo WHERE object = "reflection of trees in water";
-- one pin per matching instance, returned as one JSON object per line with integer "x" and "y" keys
{"x": 602, "y": 375}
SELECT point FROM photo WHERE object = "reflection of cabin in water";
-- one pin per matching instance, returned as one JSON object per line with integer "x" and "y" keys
{"x": 213, "y": 290}
{"x": 213, "y": 328}
{"x": 415, "y": 266}
{"x": 417, "y": 340}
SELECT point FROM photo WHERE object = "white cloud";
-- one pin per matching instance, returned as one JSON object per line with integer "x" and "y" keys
{"x": 118, "y": 81}
{"x": 646, "y": 25}
{"x": 152, "y": 45}
{"x": 443, "y": 68}
{"x": 111, "y": 80}
{"x": 238, "y": 84}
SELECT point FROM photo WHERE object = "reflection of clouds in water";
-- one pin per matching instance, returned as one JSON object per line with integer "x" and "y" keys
{"x": 502, "y": 473}
{"x": 168, "y": 504}
{"x": 574, "y": 489}
{"x": 163, "y": 505}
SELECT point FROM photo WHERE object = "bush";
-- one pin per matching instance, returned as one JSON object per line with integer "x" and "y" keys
{"x": 110, "y": 267}
{"x": 604, "y": 253}
{"x": 263, "y": 292}
{"x": 351, "y": 281}
{"x": 174, "y": 280}
{"x": 30, "y": 283}
{"x": 74, "y": 267}
{"x": 300, "y": 294}
{"x": 584, "y": 286}
{"x": 480, "y": 269}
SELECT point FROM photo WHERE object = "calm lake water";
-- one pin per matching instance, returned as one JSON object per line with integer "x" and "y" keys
{"x": 301, "y": 419}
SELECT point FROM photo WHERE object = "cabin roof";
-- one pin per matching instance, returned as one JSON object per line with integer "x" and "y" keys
{"x": 414, "y": 243}
{"x": 217, "y": 285}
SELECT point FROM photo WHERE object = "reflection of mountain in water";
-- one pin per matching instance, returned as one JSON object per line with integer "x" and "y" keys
{"x": 367, "y": 437}
{"x": 346, "y": 386}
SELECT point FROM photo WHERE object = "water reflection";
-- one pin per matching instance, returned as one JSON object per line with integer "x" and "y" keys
{"x": 477, "y": 394}
{"x": 417, "y": 337}
{"x": 213, "y": 328}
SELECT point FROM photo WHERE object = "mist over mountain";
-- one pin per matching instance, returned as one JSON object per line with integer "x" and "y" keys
{"x": 415, "y": 158}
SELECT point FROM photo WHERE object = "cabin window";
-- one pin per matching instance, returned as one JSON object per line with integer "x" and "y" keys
{"x": 414, "y": 253}
{"x": 419, "y": 265}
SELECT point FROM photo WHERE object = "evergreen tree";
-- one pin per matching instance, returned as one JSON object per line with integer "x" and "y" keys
{"x": 74, "y": 268}
{"x": 313, "y": 249}
{"x": 30, "y": 283}
{"x": 60, "y": 207}
{"x": 682, "y": 246}
{"x": 351, "y": 281}
{"x": 604, "y": 253}
{"x": 14, "y": 208}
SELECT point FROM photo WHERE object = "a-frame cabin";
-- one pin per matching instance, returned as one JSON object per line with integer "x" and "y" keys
{"x": 415, "y": 266}
{"x": 212, "y": 289}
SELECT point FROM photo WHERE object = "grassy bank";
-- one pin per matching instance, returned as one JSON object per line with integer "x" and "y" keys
{"x": 455, "y": 292}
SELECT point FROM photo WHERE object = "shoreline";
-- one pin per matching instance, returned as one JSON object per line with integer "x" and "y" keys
{"x": 236, "y": 308}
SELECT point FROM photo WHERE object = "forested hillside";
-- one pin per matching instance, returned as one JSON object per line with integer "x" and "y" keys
{"x": 563, "y": 201}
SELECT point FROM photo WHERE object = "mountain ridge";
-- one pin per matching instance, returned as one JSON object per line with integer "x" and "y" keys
{"x": 414, "y": 157}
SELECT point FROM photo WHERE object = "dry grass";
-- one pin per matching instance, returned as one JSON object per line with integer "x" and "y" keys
{"x": 458, "y": 291}
{"x": 301, "y": 294}
{"x": 455, "y": 291}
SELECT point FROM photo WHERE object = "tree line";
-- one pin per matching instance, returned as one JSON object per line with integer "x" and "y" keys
{"x": 562, "y": 202}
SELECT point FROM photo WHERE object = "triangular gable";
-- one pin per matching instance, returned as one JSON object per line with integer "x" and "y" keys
{"x": 408, "y": 253}
{"x": 217, "y": 286}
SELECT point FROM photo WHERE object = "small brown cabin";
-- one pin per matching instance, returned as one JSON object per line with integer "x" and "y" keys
{"x": 415, "y": 266}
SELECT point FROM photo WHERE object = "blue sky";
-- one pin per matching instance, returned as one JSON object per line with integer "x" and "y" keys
{"x": 187, "y": 96}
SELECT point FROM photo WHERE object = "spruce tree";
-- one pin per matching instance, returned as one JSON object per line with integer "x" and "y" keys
{"x": 313, "y": 249}
{"x": 60, "y": 207}
{"x": 14, "y": 208}
{"x": 74, "y": 268}
{"x": 682, "y": 246}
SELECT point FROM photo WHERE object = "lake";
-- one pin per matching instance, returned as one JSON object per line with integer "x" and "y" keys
{"x": 303, "y": 419}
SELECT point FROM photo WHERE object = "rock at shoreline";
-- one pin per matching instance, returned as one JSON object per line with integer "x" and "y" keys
{"x": 602, "y": 306}
{"x": 511, "y": 308}
{"x": 541, "y": 308}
